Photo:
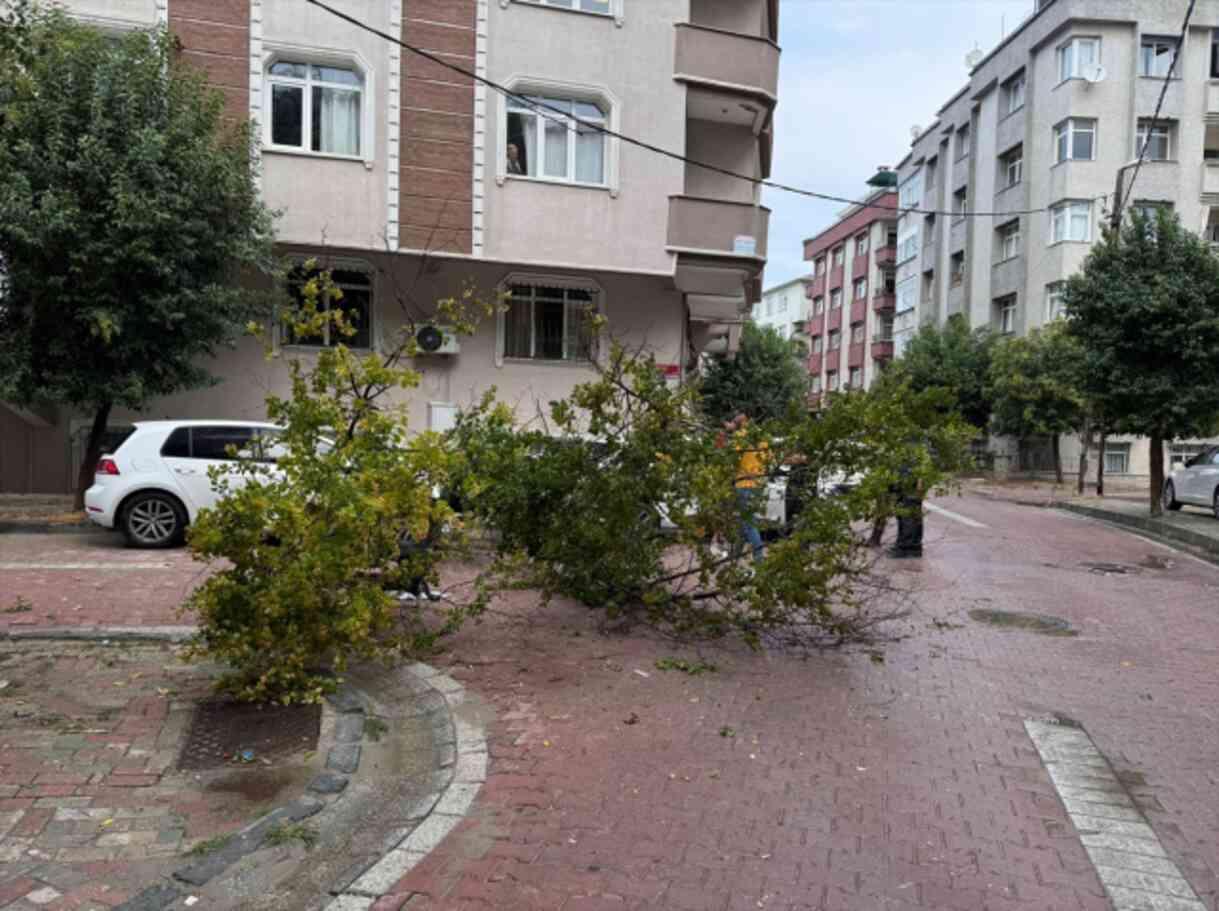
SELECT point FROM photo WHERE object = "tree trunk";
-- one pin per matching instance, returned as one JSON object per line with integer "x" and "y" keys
{"x": 93, "y": 452}
{"x": 1085, "y": 439}
{"x": 1155, "y": 445}
{"x": 1054, "y": 444}
{"x": 1100, "y": 465}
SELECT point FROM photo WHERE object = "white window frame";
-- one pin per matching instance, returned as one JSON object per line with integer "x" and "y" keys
{"x": 835, "y": 298}
{"x": 839, "y": 255}
{"x": 1013, "y": 92}
{"x": 1119, "y": 451}
{"x": 884, "y": 328}
{"x": 1155, "y": 41}
{"x": 1009, "y": 240}
{"x": 834, "y": 343}
{"x": 855, "y": 378}
{"x": 818, "y": 305}
{"x": 1067, "y": 130}
{"x": 820, "y": 265}
{"x": 274, "y": 52}
{"x": 1013, "y": 167}
{"x": 815, "y": 386}
{"x": 615, "y": 12}
{"x": 1063, "y": 215}
{"x": 1054, "y": 301}
{"x": 567, "y": 91}
{"x": 960, "y": 203}
{"x": 565, "y": 282}
{"x": 857, "y": 334}
{"x": 337, "y": 265}
{"x": 831, "y": 379}
{"x": 816, "y": 344}
{"x": 861, "y": 245}
{"x": 858, "y": 283}
{"x": 1007, "y": 314}
{"x": 1068, "y": 57}
{"x": 1163, "y": 127}
{"x": 963, "y": 142}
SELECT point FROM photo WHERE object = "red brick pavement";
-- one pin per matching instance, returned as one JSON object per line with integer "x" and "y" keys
{"x": 850, "y": 782}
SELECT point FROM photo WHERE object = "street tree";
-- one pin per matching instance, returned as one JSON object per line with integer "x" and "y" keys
{"x": 1145, "y": 311}
{"x": 130, "y": 222}
{"x": 953, "y": 359}
{"x": 1033, "y": 384}
{"x": 763, "y": 379}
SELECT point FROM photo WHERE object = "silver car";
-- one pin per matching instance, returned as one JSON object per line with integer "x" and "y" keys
{"x": 1194, "y": 484}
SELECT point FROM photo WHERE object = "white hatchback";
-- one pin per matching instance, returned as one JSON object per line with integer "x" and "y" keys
{"x": 1196, "y": 483}
{"x": 156, "y": 482}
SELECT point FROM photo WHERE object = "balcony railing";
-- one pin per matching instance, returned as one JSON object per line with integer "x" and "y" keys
{"x": 728, "y": 60}
{"x": 886, "y": 256}
{"x": 884, "y": 301}
{"x": 716, "y": 226}
{"x": 882, "y": 349}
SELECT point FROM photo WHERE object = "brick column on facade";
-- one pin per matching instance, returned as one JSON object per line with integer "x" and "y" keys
{"x": 214, "y": 35}
{"x": 437, "y": 131}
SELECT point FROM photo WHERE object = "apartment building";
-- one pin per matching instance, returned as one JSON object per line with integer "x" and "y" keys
{"x": 849, "y": 322}
{"x": 784, "y": 307}
{"x": 414, "y": 182}
{"x": 1037, "y": 137}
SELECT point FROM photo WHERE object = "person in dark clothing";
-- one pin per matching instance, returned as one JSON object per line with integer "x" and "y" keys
{"x": 909, "y": 516}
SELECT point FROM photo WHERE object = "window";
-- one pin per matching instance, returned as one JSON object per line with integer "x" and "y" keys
{"x": 956, "y": 266}
{"x": 856, "y": 379}
{"x": 839, "y": 255}
{"x": 908, "y": 248}
{"x": 817, "y": 344}
{"x": 356, "y": 304}
{"x": 891, "y": 238}
{"x": 1011, "y": 167}
{"x": 835, "y": 298}
{"x": 1215, "y": 54}
{"x": 1013, "y": 93}
{"x": 1180, "y": 453}
{"x": 857, "y": 334}
{"x": 1150, "y": 212}
{"x": 1155, "y": 56}
{"x": 960, "y": 203}
{"x": 586, "y": 6}
{"x": 1117, "y": 458}
{"x": 1054, "y": 302}
{"x": 816, "y": 384}
{"x": 821, "y": 266}
{"x": 928, "y": 230}
{"x": 1009, "y": 240}
{"x": 818, "y": 305}
{"x": 1071, "y": 221}
{"x": 835, "y": 340}
{"x": 1077, "y": 57}
{"x": 963, "y": 141}
{"x": 213, "y": 442}
{"x": 568, "y": 146}
{"x": 831, "y": 380}
{"x": 781, "y": 304}
{"x": 907, "y": 294}
{"x": 1006, "y": 311}
{"x": 884, "y": 328}
{"x": 911, "y": 191}
{"x": 548, "y": 324}
{"x": 315, "y": 108}
{"x": 1074, "y": 140}
{"x": 861, "y": 288}
{"x": 861, "y": 245}
{"x": 1158, "y": 140}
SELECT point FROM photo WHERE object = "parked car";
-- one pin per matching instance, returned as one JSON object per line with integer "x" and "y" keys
{"x": 154, "y": 484}
{"x": 1194, "y": 484}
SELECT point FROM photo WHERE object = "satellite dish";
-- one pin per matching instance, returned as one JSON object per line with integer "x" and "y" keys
{"x": 430, "y": 339}
{"x": 1094, "y": 73}
{"x": 974, "y": 57}
{"x": 916, "y": 131}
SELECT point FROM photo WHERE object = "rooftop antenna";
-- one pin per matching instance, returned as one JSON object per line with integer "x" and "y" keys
{"x": 1002, "y": 26}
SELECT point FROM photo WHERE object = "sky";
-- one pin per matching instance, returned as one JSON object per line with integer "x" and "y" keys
{"x": 854, "y": 77}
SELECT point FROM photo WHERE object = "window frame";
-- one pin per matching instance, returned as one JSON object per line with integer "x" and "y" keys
{"x": 815, "y": 384}
{"x": 960, "y": 203}
{"x": 1072, "y": 45}
{"x": 1054, "y": 309}
{"x": 335, "y": 266}
{"x": 1013, "y": 158}
{"x": 835, "y": 298}
{"x": 864, "y": 295}
{"x": 1068, "y": 207}
{"x": 1121, "y": 450}
{"x": 564, "y": 91}
{"x": 818, "y": 305}
{"x": 310, "y": 58}
{"x": 858, "y": 334}
{"x": 815, "y": 344}
{"x": 861, "y": 245}
{"x": 831, "y": 380}
{"x": 834, "y": 340}
{"x": 838, "y": 256}
{"x": 1006, "y": 310}
{"x": 1019, "y": 79}
{"x": 1142, "y": 129}
{"x": 855, "y": 378}
{"x": 963, "y": 142}
{"x": 1065, "y": 132}
{"x": 1009, "y": 235}
{"x": 613, "y": 12}
{"x": 1153, "y": 40}
{"x": 536, "y": 280}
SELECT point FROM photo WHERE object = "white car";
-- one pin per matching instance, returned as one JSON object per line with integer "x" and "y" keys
{"x": 1194, "y": 484}
{"x": 153, "y": 486}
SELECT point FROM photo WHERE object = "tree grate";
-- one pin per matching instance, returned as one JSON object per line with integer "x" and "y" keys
{"x": 224, "y": 733}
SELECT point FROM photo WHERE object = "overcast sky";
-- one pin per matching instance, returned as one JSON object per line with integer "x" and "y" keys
{"x": 855, "y": 76}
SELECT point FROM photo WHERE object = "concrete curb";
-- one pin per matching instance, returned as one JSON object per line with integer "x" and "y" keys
{"x": 436, "y": 814}
{"x": 1207, "y": 547}
{"x": 47, "y": 528}
{"x": 103, "y": 634}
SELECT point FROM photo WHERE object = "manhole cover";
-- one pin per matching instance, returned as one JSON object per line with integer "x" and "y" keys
{"x": 224, "y": 733}
{"x": 1033, "y": 623}
{"x": 1111, "y": 569}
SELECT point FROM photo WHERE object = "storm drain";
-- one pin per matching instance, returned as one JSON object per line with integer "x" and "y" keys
{"x": 1032, "y": 623}
{"x": 224, "y": 733}
{"x": 1125, "y": 851}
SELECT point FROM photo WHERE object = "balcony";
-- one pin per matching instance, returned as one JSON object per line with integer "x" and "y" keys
{"x": 1210, "y": 181}
{"x": 855, "y": 354}
{"x": 886, "y": 256}
{"x": 833, "y": 319}
{"x": 859, "y": 267}
{"x": 859, "y": 310}
{"x": 882, "y": 349}
{"x": 836, "y": 277}
{"x": 814, "y": 399}
{"x": 729, "y": 62}
{"x": 817, "y": 287}
{"x": 884, "y": 302}
{"x": 814, "y": 364}
{"x": 1212, "y": 102}
{"x": 814, "y": 325}
{"x": 716, "y": 228}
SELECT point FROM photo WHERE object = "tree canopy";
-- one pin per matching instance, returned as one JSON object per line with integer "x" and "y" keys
{"x": 763, "y": 380}
{"x": 951, "y": 358}
{"x": 1145, "y": 311}
{"x": 128, "y": 213}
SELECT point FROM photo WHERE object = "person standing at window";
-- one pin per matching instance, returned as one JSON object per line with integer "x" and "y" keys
{"x": 514, "y": 159}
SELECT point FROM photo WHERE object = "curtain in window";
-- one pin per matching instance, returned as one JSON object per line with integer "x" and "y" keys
{"x": 556, "y": 146}
{"x": 579, "y": 338}
{"x": 336, "y": 121}
{"x": 548, "y": 324}
{"x": 518, "y": 323}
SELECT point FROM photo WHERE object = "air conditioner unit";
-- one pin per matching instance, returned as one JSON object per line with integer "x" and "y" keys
{"x": 437, "y": 340}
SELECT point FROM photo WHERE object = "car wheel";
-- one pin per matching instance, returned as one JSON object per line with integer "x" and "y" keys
{"x": 1168, "y": 499}
{"x": 153, "y": 519}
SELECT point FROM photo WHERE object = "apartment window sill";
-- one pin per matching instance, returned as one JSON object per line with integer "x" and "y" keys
{"x": 958, "y": 220}
{"x": 1055, "y": 243}
{"x": 307, "y": 153}
{"x": 1069, "y": 161}
{"x": 1159, "y": 78}
{"x": 546, "y": 362}
{"x": 1010, "y": 186}
{"x": 610, "y": 15}
{"x": 1011, "y": 113}
{"x": 1008, "y": 259}
{"x": 558, "y": 182}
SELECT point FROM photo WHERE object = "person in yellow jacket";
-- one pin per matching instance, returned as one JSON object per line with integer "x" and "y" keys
{"x": 751, "y": 476}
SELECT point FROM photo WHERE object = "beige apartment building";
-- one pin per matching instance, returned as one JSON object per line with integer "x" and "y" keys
{"x": 412, "y": 182}
{"x": 1044, "y": 124}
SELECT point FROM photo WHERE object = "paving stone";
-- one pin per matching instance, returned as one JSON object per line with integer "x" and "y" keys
{"x": 328, "y": 783}
{"x": 346, "y": 699}
{"x": 154, "y": 898}
{"x": 349, "y": 728}
{"x": 344, "y": 757}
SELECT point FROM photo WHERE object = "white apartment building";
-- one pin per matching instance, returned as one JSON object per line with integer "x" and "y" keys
{"x": 413, "y": 182}
{"x": 1044, "y": 123}
{"x": 783, "y": 307}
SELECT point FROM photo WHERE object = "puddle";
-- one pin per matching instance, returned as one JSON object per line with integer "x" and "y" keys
{"x": 1111, "y": 569}
{"x": 257, "y": 785}
{"x": 1155, "y": 561}
{"x": 1032, "y": 623}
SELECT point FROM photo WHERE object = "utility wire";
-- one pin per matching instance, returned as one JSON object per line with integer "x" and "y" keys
{"x": 1117, "y": 203}
{"x": 566, "y": 118}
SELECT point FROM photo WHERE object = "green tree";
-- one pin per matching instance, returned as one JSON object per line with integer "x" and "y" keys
{"x": 129, "y": 220}
{"x": 1033, "y": 384}
{"x": 953, "y": 359}
{"x": 762, "y": 380}
{"x": 1145, "y": 311}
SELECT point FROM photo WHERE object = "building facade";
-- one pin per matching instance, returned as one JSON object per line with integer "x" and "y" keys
{"x": 783, "y": 307}
{"x": 1037, "y": 138}
{"x": 849, "y": 321}
{"x": 414, "y": 182}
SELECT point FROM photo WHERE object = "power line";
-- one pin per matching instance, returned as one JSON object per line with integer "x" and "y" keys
{"x": 1117, "y": 203}
{"x": 566, "y": 118}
